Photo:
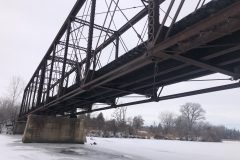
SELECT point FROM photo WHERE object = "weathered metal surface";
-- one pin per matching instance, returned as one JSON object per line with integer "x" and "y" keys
{"x": 202, "y": 43}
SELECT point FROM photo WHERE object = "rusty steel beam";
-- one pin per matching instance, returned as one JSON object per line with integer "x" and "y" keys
{"x": 221, "y": 53}
{"x": 218, "y": 18}
{"x": 90, "y": 38}
{"x": 64, "y": 60}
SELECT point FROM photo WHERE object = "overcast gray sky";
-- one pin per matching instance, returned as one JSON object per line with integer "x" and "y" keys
{"x": 28, "y": 28}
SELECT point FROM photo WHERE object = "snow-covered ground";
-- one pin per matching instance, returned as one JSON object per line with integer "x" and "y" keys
{"x": 11, "y": 147}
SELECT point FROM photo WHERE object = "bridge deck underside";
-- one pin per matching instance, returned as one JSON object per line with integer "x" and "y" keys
{"x": 136, "y": 72}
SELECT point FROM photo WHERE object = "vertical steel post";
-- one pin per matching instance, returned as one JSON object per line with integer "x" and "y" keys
{"x": 40, "y": 88}
{"x": 50, "y": 75}
{"x": 43, "y": 97}
{"x": 53, "y": 91}
{"x": 35, "y": 89}
{"x": 21, "y": 110}
{"x": 153, "y": 21}
{"x": 65, "y": 58}
{"x": 117, "y": 45}
{"x": 66, "y": 85}
{"x": 78, "y": 73}
{"x": 90, "y": 36}
{"x": 94, "y": 61}
{"x": 26, "y": 102}
{"x": 31, "y": 90}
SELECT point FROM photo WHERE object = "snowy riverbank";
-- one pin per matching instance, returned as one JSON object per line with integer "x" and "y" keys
{"x": 118, "y": 149}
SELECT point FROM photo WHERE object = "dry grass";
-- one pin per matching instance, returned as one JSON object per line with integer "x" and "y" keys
{"x": 148, "y": 135}
{"x": 233, "y": 140}
{"x": 171, "y": 136}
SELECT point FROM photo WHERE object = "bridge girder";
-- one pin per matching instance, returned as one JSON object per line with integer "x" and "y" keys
{"x": 167, "y": 57}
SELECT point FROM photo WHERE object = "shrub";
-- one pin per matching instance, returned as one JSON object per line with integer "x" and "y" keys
{"x": 158, "y": 136}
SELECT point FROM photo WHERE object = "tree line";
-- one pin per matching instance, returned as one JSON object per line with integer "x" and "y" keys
{"x": 189, "y": 125}
{"x": 10, "y": 101}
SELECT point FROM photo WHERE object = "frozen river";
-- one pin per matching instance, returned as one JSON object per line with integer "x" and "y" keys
{"x": 11, "y": 147}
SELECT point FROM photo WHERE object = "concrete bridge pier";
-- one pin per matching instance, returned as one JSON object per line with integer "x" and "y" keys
{"x": 47, "y": 129}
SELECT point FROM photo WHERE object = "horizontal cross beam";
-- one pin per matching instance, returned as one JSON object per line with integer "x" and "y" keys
{"x": 73, "y": 46}
{"x": 60, "y": 59}
{"x": 94, "y": 26}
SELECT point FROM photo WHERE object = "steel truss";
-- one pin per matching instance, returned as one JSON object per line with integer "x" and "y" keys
{"x": 71, "y": 75}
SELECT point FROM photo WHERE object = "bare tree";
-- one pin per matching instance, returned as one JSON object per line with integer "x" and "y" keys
{"x": 7, "y": 112}
{"x": 167, "y": 120}
{"x": 6, "y": 109}
{"x": 100, "y": 120}
{"x": 138, "y": 122}
{"x": 181, "y": 126}
{"x": 112, "y": 126}
{"x": 120, "y": 116}
{"x": 193, "y": 112}
{"x": 10, "y": 103}
{"x": 130, "y": 125}
{"x": 130, "y": 121}
{"x": 15, "y": 89}
{"x": 154, "y": 127}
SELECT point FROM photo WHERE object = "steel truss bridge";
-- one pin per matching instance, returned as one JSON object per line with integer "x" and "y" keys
{"x": 79, "y": 69}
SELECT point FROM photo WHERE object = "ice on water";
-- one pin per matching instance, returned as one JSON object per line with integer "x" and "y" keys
{"x": 118, "y": 149}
